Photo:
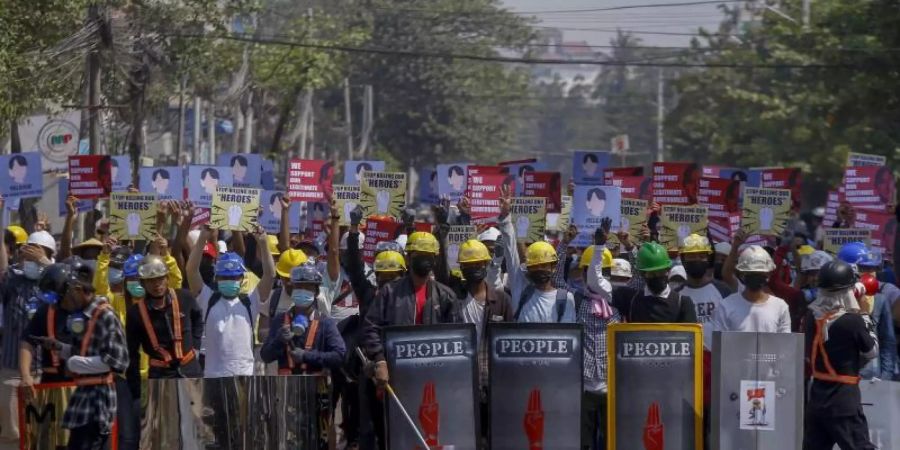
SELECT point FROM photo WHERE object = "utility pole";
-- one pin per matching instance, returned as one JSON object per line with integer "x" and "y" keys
{"x": 368, "y": 113}
{"x": 179, "y": 140}
{"x": 248, "y": 124}
{"x": 806, "y": 13}
{"x": 195, "y": 152}
{"x": 660, "y": 116}
{"x": 211, "y": 129}
{"x": 348, "y": 119}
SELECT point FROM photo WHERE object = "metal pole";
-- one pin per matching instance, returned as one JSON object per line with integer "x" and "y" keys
{"x": 660, "y": 116}
{"x": 248, "y": 124}
{"x": 348, "y": 119}
{"x": 195, "y": 151}
{"x": 806, "y": 13}
{"x": 211, "y": 130}
{"x": 94, "y": 90}
{"x": 179, "y": 141}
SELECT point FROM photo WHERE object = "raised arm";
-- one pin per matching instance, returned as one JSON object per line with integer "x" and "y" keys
{"x": 284, "y": 233}
{"x": 195, "y": 280}
{"x": 334, "y": 242}
{"x": 729, "y": 271}
{"x": 264, "y": 288}
{"x": 180, "y": 246}
{"x": 65, "y": 242}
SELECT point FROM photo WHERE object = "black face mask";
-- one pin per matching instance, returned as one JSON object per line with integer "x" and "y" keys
{"x": 695, "y": 269}
{"x": 474, "y": 274}
{"x": 540, "y": 277}
{"x": 657, "y": 284}
{"x": 754, "y": 281}
{"x": 422, "y": 264}
{"x": 717, "y": 271}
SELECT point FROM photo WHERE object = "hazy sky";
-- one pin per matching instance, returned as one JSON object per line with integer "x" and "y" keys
{"x": 674, "y": 19}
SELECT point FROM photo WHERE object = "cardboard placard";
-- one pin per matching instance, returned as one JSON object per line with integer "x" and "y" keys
{"x": 354, "y": 170}
{"x": 633, "y": 187}
{"x": 871, "y": 187}
{"x": 766, "y": 211}
{"x": 721, "y": 197}
{"x": 588, "y": 167}
{"x": 23, "y": 177}
{"x": 80, "y": 205}
{"x": 831, "y": 207}
{"x": 120, "y": 172}
{"x": 592, "y": 204}
{"x": 428, "y": 187}
{"x": 235, "y": 209}
{"x": 611, "y": 172}
{"x": 547, "y": 185}
{"x": 165, "y": 182}
{"x": 268, "y": 175}
{"x": 632, "y": 221}
{"x": 520, "y": 168}
{"x": 679, "y": 222}
{"x": 565, "y": 214}
{"x": 883, "y": 227}
{"x": 132, "y": 216}
{"x": 89, "y": 176}
{"x": 202, "y": 182}
{"x": 383, "y": 193}
{"x": 676, "y": 183}
{"x": 246, "y": 168}
{"x": 378, "y": 230}
{"x": 835, "y": 238}
{"x": 309, "y": 180}
{"x": 451, "y": 181}
{"x": 784, "y": 178}
{"x": 346, "y": 198}
{"x": 484, "y": 192}
{"x": 529, "y": 214}
{"x": 455, "y": 237}
{"x": 273, "y": 213}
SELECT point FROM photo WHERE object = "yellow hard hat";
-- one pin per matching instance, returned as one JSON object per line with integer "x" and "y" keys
{"x": 805, "y": 250}
{"x": 421, "y": 241}
{"x": 588, "y": 255}
{"x": 540, "y": 253}
{"x": 273, "y": 245}
{"x": 390, "y": 261}
{"x": 288, "y": 260}
{"x": 473, "y": 251}
{"x": 696, "y": 244}
{"x": 18, "y": 233}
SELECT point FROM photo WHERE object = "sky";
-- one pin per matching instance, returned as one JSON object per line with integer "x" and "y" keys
{"x": 673, "y": 19}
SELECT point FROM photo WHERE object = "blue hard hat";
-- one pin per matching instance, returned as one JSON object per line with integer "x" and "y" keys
{"x": 130, "y": 268}
{"x": 872, "y": 258}
{"x": 853, "y": 252}
{"x": 229, "y": 264}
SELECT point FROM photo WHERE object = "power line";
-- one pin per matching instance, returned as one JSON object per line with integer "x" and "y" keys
{"x": 559, "y": 11}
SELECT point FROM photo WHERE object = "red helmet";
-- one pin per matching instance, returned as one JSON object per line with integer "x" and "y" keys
{"x": 870, "y": 282}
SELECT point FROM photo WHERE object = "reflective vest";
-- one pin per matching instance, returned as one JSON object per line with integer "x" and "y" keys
{"x": 181, "y": 358}
{"x": 310, "y": 339}
{"x": 818, "y": 351}
{"x": 51, "y": 333}
{"x": 91, "y": 380}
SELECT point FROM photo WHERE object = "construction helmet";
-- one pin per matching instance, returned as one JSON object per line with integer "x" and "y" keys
{"x": 473, "y": 251}
{"x": 272, "y": 241}
{"x": 853, "y": 252}
{"x": 653, "y": 257}
{"x": 42, "y": 238}
{"x": 588, "y": 255}
{"x": 421, "y": 241}
{"x": 805, "y": 250}
{"x": 229, "y": 264}
{"x": 540, "y": 253}
{"x": 288, "y": 260}
{"x": 695, "y": 243}
{"x": 306, "y": 273}
{"x": 870, "y": 282}
{"x": 872, "y": 259}
{"x": 81, "y": 272}
{"x": 755, "y": 259}
{"x": 130, "y": 268}
{"x": 836, "y": 275}
{"x": 814, "y": 261}
{"x": 53, "y": 282}
{"x": 18, "y": 233}
{"x": 385, "y": 246}
{"x": 152, "y": 267}
{"x": 621, "y": 268}
{"x": 389, "y": 261}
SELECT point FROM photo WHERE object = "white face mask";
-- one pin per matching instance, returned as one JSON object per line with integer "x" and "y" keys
{"x": 32, "y": 270}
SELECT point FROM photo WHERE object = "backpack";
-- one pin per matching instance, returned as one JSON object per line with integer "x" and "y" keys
{"x": 562, "y": 298}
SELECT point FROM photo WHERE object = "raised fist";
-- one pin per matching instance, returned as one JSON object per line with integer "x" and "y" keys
{"x": 534, "y": 420}
{"x": 234, "y": 215}
{"x": 133, "y": 224}
{"x": 654, "y": 429}
{"x": 382, "y": 201}
{"x": 430, "y": 415}
{"x": 766, "y": 217}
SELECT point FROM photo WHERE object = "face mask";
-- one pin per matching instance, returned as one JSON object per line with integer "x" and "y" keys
{"x": 717, "y": 271}
{"x": 616, "y": 284}
{"x": 754, "y": 281}
{"x": 696, "y": 269}
{"x": 115, "y": 276}
{"x": 422, "y": 265}
{"x": 657, "y": 284}
{"x": 229, "y": 288}
{"x": 135, "y": 289}
{"x": 303, "y": 298}
{"x": 540, "y": 277}
{"x": 32, "y": 270}
{"x": 474, "y": 274}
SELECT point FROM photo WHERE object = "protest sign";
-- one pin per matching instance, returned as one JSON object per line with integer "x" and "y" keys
{"x": 309, "y": 180}
{"x": 203, "y": 182}
{"x": 63, "y": 191}
{"x": 354, "y": 170}
{"x": 273, "y": 213}
{"x": 428, "y": 189}
{"x": 676, "y": 183}
{"x": 120, "y": 172}
{"x": 346, "y": 198}
{"x": 547, "y": 185}
{"x": 484, "y": 192}
{"x": 383, "y": 193}
{"x": 633, "y": 219}
{"x": 712, "y": 171}
{"x": 451, "y": 181}
{"x": 317, "y": 216}
{"x": 835, "y": 238}
{"x": 723, "y": 229}
{"x": 378, "y": 230}
{"x": 268, "y": 175}
{"x": 632, "y": 187}
{"x": 880, "y": 400}
{"x": 246, "y": 168}
{"x": 565, "y": 214}
{"x": 870, "y": 187}
{"x": 784, "y": 178}
{"x": 235, "y": 209}
{"x": 590, "y": 205}
{"x": 832, "y": 204}
{"x": 588, "y": 167}
{"x": 55, "y": 137}
{"x": 24, "y": 178}
{"x": 520, "y": 168}
{"x": 641, "y": 408}
{"x": 529, "y": 214}
{"x": 473, "y": 170}
{"x": 883, "y": 227}
{"x": 679, "y": 222}
{"x": 611, "y": 172}
{"x": 536, "y": 385}
{"x": 165, "y": 182}
{"x": 132, "y": 216}
{"x": 863, "y": 159}
{"x": 455, "y": 237}
{"x": 89, "y": 176}
{"x": 766, "y": 211}
{"x": 721, "y": 197}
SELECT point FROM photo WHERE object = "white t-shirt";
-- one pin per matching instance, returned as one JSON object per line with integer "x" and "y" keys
{"x": 707, "y": 299}
{"x": 737, "y": 314}
{"x": 228, "y": 335}
{"x": 332, "y": 289}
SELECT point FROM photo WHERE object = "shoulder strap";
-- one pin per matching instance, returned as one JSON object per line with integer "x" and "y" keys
{"x": 526, "y": 295}
{"x": 51, "y": 333}
{"x": 245, "y": 300}
{"x": 274, "y": 297}
{"x": 675, "y": 298}
{"x": 562, "y": 299}
{"x": 92, "y": 323}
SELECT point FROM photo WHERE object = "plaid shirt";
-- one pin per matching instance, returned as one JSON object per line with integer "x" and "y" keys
{"x": 15, "y": 293}
{"x": 98, "y": 403}
{"x": 595, "y": 363}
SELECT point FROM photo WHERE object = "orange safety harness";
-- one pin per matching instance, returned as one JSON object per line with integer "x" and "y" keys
{"x": 51, "y": 333}
{"x": 818, "y": 347}
{"x": 180, "y": 358}
{"x": 91, "y": 380}
{"x": 310, "y": 339}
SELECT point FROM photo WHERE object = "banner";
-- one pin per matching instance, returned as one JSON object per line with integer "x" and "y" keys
{"x": 632, "y": 187}
{"x": 732, "y": 173}
{"x": 165, "y": 182}
{"x": 433, "y": 372}
{"x": 132, "y": 216}
{"x": 120, "y": 172}
{"x": 784, "y": 178}
{"x": 273, "y": 213}
{"x": 455, "y": 237}
{"x": 346, "y": 198}
{"x": 24, "y": 177}
{"x": 871, "y": 187}
{"x": 63, "y": 193}
{"x": 378, "y": 230}
{"x": 835, "y": 238}
{"x": 590, "y": 205}
{"x": 235, "y": 209}
{"x": 644, "y": 410}
{"x": 246, "y": 168}
{"x": 54, "y": 136}
{"x": 676, "y": 183}
{"x": 547, "y": 185}
{"x": 757, "y": 391}
{"x": 679, "y": 222}
{"x": 863, "y": 159}
{"x": 354, "y": 170}
{"x": 766, "y": 211}
{"x": 203, "y": 181}
{"x": 473, "y": 170}
{"x": 428, "y": 189}
{"x": 633, "y": 219}
{"x": 484, "y": 192}
{"x": 883, "y": 227}
{"x": 588, "y": 167}
{"x": 89, "y": 176}
{"x": 536, "y": 385}
{"x": 529, "y": 214}
{"x": 383, "y": 193}
{"x": 309, "y": 180}
{"x": 451, "y": 181}
{"x": 612, "y": 172}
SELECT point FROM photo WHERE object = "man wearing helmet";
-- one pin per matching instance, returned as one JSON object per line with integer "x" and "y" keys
{"x": 705, "y": 291}
{"x": 657, "y": 303}
{"x": 840, "y": 338}
{"x": 881, "y": 300}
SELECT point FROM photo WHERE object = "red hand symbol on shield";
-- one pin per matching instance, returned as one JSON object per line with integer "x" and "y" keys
{"x": 654, "y": 429}
{"x": 430, "y": 415}
{"x": 534, "y": 420}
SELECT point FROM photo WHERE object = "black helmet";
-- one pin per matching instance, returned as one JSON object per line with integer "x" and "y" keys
{"x": 55, "y": 279}
{"x": 118, "y": 256}
{"x": 81, "y": 272}
{"x": 836, "y": 275}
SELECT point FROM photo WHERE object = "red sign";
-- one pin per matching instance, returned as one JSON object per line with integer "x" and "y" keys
{"x": 869, "y": 187}
{"x": 201, "y": 217}
{"x": 712, "y": 171}
{"x": 611, "y": 172}
{"x": 784, "y": 178}
{"x": 831, "y": 206}
{"x": 722, "y": 229}
{"x": 486, "y": 170}
{"x": 632, "y": 187}
{"x": 484, "y": 192}
{"x": 883, "y": 226}
{"x": 547, "y": 185}
{"x": 378, "y": 230}
{"x": 309, "y": 180}
{"x": 90, "y": 176}
{"x": 720, "y": 196}
{"x": 676, "y": 183}
{"x": 423, "y": 226}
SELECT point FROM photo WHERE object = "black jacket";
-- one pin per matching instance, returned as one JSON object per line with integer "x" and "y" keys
{"x": 327, "y": 351}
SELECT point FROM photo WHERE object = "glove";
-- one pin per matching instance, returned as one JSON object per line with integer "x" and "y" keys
{"x": 234, "y": 215}
{"x": 297, "y": 355}
{"x": 286, "y": 334}
{"x": 356, "y": 214}
{"x": 133, "y": 224}
{"x": 766, "y": 217}
{"x": 381, "y": 373}
{"x": 522, "y": 225}
{"x": 382, "y": 201}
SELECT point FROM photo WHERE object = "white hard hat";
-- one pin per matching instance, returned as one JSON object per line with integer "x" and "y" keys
{"x": 755, "y": 259}
{"x": 193, "y": 236}
{"x": 819, "y": 211}
{"x": 222, "y": 247}
{"x": 723, "y": 248}
{"x": 42, "y": 238}
{"x": 814, "y": 260}
{"x": 490, "y": 235}
{"x": 678, "y": 271}
{"x": 343, "y": 243}
{"x": 621, "y": 268}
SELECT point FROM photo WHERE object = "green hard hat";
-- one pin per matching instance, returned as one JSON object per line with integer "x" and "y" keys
{"x": 652, "y": 257}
